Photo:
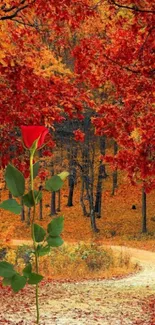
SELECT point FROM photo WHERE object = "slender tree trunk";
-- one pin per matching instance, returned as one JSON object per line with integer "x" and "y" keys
{"x": 5, "y": 186}
{"x": 84, "y": 176}
{"x": 91, "y": 186}
{"x": 28, "y": 216}
{"x": 70, "y": 196}
{"x": 92, "y": 212}
{"x": 98, "y": 197}
{"x": 72, "y": 176}
{"x": 59, "y": 201}
{"x": 10, "y": 195}
{"x": 85, "y": 213}
{"x": 144, "y": 212}
{"x": 101, "y": 175}
{"x": 91, "y": 205}
{"x": 115, "y": 174}
{"x": 53, "y": 204}
{"x": 53, "y": 196}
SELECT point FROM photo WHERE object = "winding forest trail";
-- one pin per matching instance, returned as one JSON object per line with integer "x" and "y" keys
{"x": 100, "y": 302}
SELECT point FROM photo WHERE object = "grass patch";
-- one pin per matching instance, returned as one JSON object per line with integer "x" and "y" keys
{"x": 75, "y": 262}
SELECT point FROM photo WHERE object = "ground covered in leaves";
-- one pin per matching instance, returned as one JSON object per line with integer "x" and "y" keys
{"x": 119, "y": 223}
{"x": 128, "y": 301}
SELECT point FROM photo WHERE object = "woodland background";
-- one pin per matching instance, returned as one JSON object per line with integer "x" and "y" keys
{"x": 85, "y": 69}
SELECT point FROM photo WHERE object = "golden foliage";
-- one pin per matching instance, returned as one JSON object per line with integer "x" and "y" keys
{"x": 75, "y": 262}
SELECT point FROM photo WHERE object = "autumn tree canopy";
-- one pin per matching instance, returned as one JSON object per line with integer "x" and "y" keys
{"x": 60, "y": 58}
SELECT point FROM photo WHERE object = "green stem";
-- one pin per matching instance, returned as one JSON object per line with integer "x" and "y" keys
{"x": 33, "y": 236}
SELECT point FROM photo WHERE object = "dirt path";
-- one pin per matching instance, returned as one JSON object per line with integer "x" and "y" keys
{"x": 104, "y": 302}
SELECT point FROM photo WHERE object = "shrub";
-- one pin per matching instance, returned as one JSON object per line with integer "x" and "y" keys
{"x": 24, "y": 252}
{"x": 84, "y": 260}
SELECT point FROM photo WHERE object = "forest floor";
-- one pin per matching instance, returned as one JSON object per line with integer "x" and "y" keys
{"x": 119, "y": 223}
{"x": 127, "y": 301}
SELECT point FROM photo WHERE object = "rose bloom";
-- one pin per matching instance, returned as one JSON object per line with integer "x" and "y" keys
{"x": 32, "y": 133}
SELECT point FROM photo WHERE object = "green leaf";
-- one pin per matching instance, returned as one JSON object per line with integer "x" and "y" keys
{"x": 6, "y": 282}
{"x": 11, "y": 205}
{"x": 55, "y": 227}
{"x": 39, "y": 233}
{"x": 54, "y": 241}
{"x": 54, "y": 183}
{"x": 34, "y": 147}
{"x": 15, "y": 181}
{"x": 34, "y": 278}
{"x": 35, "y": 169}
{"x": 43, "y": 250}
{"x": 63, "y": 175}
{"x": 6, "y": 270}
{"x": 28, "y": 198}
{"x": 18, "y": 282}
{"x": 38, "y": 196}
{"x": 27, "y": 270}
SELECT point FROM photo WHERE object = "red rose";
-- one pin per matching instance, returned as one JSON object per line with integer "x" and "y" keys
{"x": 32, "y": 133}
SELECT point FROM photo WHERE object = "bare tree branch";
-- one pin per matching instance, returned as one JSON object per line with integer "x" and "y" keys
{"x": 120, "y": 65}
{"x": 145, "y": 41}
{"x": 133, "y": 8}
{"x": 97, "y": 4}
{"x": 11, "y": 8}
{"x": 15, "y": 10}
{"x": 23, "y": 23}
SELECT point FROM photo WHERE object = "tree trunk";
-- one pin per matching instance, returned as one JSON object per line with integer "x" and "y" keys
{"x": 91, "y": 205}
{"x": 144, "y": 212}
{"x": 53, "y": 204}
{"x": 85, "y": 213}
{"x": 10, "y": 195}
{"x": 59, "y": 201}
{"x": 101, "y": 175}
{"x": 28, "y": 216}
{"x": 98, "y": 196}
{"x": 53, "y": 196}
{"x": 115, "y": 174}
{"x": 72, "y": 175}
{"x": 70, "y": 195}
{"x": 91, "y": 187}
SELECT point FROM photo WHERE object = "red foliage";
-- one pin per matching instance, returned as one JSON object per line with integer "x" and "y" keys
{"x": 120, "y": 54}
{"x": 79, "y": 135}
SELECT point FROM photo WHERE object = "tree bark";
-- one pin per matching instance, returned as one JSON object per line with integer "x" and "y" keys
{"x": 91, "y": 188}
{"x": 59, "y": 201}
{"x": 53, "y": 204}
{"x": 10, "y": 195}
{"x": 115, "y": 174}
{"x": 70, "y": 195}
{"x": 85, "y": 213}
{"x": 101, "y": 175}
{"x": 53, "y": 196}
{"x": 28, "y": 216}
{"x": 72, "y": 175}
